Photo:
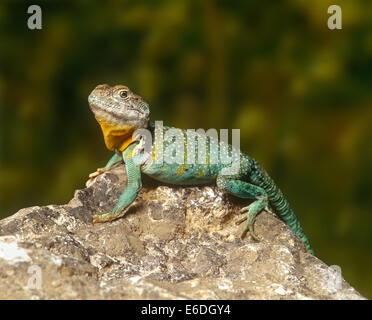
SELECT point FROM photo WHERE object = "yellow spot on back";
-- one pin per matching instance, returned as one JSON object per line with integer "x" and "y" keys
{"x": 181, "y": 170}
{"x": 200, "y": 173}
{"x": 207, "y": 159}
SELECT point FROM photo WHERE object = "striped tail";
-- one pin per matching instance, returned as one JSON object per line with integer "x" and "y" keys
{"x": 278, "y": 202}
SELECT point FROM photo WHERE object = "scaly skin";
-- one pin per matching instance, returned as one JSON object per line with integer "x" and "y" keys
{"x": 120, "y": 112}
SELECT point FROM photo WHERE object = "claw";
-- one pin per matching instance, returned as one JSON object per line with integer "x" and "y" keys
{"x": 106, "y": 217}
{"x": 94, "y": 175}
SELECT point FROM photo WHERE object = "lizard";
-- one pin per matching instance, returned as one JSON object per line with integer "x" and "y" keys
{"x": 120, "y": 113}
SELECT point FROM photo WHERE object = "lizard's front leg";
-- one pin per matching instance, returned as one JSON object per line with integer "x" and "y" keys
{"x": 134, "y": 185}
{"x": 113, "y": 162}
{"x": 247, "y": 190}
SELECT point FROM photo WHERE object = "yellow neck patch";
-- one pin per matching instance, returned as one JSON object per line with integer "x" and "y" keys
{"x": 116, "y": 137}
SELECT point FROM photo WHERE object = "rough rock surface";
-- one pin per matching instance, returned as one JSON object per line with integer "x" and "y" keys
{"x": 173, "y": 243}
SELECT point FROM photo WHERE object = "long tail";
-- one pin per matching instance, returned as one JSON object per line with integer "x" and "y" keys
{"x": 278, "y": 202}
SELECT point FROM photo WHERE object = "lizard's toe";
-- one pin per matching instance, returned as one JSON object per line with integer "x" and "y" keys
{"x": 106, "y": 217}
{"x": 240, "y": 220}
{"x": 94, "y": 175}
{"x": 98, "y": 172}
{"x": 249, "y": 227}
{"x": 242, "y": 210}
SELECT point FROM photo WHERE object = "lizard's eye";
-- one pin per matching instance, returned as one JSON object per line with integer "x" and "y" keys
{"x": 123, "y": 94}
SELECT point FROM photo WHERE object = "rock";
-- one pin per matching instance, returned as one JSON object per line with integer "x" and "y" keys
{"x": 173, "y": 243}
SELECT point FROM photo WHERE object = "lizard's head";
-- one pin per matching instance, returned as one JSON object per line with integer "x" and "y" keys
{"x": 120, "y": 112}
{"x": 118, "y": 106}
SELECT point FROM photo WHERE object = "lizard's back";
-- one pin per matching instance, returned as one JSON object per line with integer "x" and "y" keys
{"x": 193, "y": 159}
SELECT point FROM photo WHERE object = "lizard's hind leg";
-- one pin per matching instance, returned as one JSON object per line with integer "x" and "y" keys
{"x": 243, "y": 189}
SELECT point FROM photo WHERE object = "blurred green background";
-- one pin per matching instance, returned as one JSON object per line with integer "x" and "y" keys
{"x": 300, "y": 93}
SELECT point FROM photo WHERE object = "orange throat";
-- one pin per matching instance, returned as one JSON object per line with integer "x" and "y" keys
{"x": 116, "y": 137}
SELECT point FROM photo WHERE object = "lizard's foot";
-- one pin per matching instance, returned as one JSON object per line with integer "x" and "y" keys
{"x": 249, "y": 225}
{"x": 94, "y": 175}
{"x": 106, "y": 217}
{"x": 253, "y": 210}
{"x": 270, "y": 211}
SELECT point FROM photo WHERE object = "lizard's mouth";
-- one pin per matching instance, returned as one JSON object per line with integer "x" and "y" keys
{"x": 139, "y": 111}
{"x": 141, "y": 108}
